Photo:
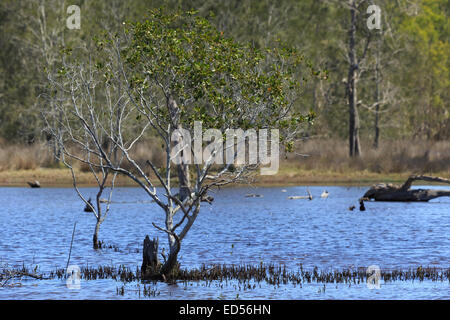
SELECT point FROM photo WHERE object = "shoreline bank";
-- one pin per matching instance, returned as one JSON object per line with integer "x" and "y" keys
{"x": 286, "y": 177}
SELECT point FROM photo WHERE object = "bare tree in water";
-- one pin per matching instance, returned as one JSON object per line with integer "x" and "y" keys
{"x": 162, "y": 77}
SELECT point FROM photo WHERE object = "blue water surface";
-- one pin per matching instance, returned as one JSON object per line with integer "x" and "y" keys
{"x": 37, "y": 224}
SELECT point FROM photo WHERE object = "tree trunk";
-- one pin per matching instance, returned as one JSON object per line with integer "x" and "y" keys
{"x": 182, "y": 169}
{"x": 377, "y": 96}
{"x": 390, "y": 192}
{"x": 171, "y": 266}
{"x": 354, "y": 143}
{"x": 184, "y": 181}
{"x": 150, "y": 262}
{"x": 95, "y": 241}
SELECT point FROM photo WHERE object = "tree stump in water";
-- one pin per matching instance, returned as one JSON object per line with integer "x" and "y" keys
{"x": 150, "y": 263}
{"x": 390, "y": 192}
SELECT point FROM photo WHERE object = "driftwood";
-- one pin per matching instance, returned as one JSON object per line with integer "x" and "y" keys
{"x": 207, "y": 198}
{"x": 309, "y": 196}
{"x": 253, "y": 195}
{"x": 34, "y": 184}
{"x": 390, "y": 192}
{"x": 7, "y": 275}
{"x": 299, "y": 197}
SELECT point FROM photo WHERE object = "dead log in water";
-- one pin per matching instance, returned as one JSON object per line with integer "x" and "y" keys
{"x": 34, "y": 184}
{"x": 309, "y": 196}
{"x": 391, "y": 192}
{"x": 150, "y": 263}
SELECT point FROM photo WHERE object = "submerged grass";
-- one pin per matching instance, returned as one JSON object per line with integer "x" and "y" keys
{"x": 269, "y": 273}
{"x": 240, "y": 277}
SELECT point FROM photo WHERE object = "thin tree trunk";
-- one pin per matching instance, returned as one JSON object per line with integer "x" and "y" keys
{"x": 95, "y": 237}
{"x": 354, "y": 143}
{"x": 171, "y": 264}
{"x": 182, "y": 169}
{"x": 184, "y": 181}
{"x": 377, "y": 96}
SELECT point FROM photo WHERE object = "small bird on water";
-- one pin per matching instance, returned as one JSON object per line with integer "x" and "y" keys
{"x": 361, "y": 205}
{"x": 324, "y": 194}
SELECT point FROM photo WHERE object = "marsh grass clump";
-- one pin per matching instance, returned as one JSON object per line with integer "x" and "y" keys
{"x": 242, "y": 277}
{"x": 280, "y": 275}
{"x": 120, "y": 273}
{"x": 146, "y": 291}
{"x": 103, "y": 245}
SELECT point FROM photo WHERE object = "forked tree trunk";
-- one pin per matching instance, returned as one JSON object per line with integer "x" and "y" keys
{"x": 151, "y": 267}
{"x": 390, "y": 192}
{"x": 171, "y": 265}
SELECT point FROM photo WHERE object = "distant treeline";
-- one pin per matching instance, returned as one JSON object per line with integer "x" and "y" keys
{"x": 403, "y": 80}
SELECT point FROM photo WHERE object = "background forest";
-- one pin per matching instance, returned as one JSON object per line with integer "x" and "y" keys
{"x": 402, "y": 70}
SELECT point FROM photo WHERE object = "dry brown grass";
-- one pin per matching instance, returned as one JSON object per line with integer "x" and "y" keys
{"x": 328, "y": 162}
{"x": 39, "y": 155}
{"x": 149, "y": 150}
{"x": 24, "y": 157}
{"x": 391, "y": 157}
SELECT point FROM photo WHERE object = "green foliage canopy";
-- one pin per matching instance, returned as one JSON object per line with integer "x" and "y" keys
{"x": 213, "y": 78}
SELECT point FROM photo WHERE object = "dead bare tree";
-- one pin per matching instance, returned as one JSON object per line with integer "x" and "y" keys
{"x": 356, "y": 47}
{"x": 354, "y": 66}
{"x": 78, "y": 127}
{"x": 47, "y": 27}
{"x": 381, "y": 63}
